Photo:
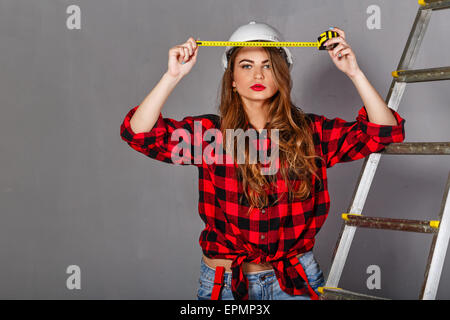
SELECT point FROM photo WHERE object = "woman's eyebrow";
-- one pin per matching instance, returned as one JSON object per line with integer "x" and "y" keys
{"x": 251, "y": 61}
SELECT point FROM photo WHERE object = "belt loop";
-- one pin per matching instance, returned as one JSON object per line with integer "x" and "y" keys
{"x": 218, "y": 282}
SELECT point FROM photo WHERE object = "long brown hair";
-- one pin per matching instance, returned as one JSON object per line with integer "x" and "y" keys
{"x": 296, "y": 146}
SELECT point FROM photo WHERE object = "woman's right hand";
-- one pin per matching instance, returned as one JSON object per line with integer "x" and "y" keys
{"x": 187, "y": 53}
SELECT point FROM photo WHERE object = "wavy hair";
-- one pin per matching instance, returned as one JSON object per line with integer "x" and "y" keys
{"x": 296, "y": 146}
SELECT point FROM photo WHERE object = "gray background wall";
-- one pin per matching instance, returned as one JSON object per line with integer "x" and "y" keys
{"x": 73, "y": 193}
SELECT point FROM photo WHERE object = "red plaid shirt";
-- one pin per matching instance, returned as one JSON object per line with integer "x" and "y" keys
{"x": 278, "y": 231}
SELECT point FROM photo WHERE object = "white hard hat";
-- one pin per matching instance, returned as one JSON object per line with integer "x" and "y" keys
{"x": 256, "y": 31}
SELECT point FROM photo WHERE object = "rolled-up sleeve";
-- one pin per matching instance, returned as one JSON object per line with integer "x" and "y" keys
{"x": 170, "y": 141}
{"x": 343, "y": 141}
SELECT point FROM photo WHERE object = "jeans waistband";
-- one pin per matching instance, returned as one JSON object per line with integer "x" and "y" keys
{"x": 266, "y": 275}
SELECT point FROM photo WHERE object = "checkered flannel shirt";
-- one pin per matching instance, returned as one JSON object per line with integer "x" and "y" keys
{"x": 276, "y": 232}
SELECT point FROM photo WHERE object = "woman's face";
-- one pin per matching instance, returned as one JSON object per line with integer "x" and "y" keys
{"x": 252, "y": 66}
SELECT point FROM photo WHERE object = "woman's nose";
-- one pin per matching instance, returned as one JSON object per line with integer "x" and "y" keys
{"x": 258, "y": 74}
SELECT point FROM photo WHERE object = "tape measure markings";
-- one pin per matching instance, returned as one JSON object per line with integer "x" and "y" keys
{"x": 324, "y": 36}
{"x": 255, "y": 44}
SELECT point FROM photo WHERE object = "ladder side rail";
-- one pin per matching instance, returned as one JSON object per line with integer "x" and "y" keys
{"x": 409, "y": 55}
{"x": 438, "y": 249}
{"x": 415, "y": 38}
{"x": 347, "y": 232}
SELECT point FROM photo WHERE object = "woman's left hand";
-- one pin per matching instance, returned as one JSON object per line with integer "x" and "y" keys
{"x": 342, "y": 55}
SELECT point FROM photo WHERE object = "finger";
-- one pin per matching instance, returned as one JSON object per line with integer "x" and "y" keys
{"x": 346, "y": 52}
{"x": 338, "y": 49}
{"x": 192, "y": 40}
{"x": 340, "y": 31}
{"x": 181, "y": 54}
{"x": 189, "y": 47}
{"x": 335, "y": 40}
{"x": 192, "y": 43}
{"x": 195, "y": 42}
{"x": 194, "y": 47}
{"x": 186, "y": 54}
{"x": 194, "y": 57}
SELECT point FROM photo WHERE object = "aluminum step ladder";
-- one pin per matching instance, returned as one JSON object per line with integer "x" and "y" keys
{"x": 353, "y": 218}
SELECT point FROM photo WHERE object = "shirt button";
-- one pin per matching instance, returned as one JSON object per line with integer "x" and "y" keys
{"x": 263, "y": 210}
{"x": 263, "y": 237}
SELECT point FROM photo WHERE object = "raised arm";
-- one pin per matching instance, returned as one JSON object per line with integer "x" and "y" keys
{"x": 181, "y": 60}
{"x": 148, "y": 132}
{"x": 345, "y": 60}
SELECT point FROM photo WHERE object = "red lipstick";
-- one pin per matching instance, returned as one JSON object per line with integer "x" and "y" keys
{"x": 258, "y": 87}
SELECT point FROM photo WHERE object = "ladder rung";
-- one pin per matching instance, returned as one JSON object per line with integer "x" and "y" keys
{"x": 434, "y": 4}
{"x": 341, "y": 294}
{"x": 422, "y": 226}
{"x": 422, "y": 75}
{"x": 420, "y": 148}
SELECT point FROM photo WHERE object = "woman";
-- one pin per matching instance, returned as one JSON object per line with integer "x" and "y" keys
{"x": 260, "y": 228}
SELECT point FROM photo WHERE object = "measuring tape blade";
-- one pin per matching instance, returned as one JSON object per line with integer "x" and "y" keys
{"x": 255, "y": 44}
{"x": 324, "y": 36}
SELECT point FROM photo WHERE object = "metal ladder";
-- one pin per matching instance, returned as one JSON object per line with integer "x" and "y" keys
{"x": 353, "y": 219}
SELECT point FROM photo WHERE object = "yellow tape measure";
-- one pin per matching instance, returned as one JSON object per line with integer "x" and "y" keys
{"x": 255, "y": 44}
{"x": 319, "y": 44}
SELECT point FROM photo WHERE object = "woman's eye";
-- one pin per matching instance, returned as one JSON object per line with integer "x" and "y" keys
{"x": 248, "y": 65}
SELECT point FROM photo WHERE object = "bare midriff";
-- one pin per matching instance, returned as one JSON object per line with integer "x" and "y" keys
{"x": 247, "y": 267}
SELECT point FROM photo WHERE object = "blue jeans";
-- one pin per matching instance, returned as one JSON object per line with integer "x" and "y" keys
{"x": 262, "y": 285}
